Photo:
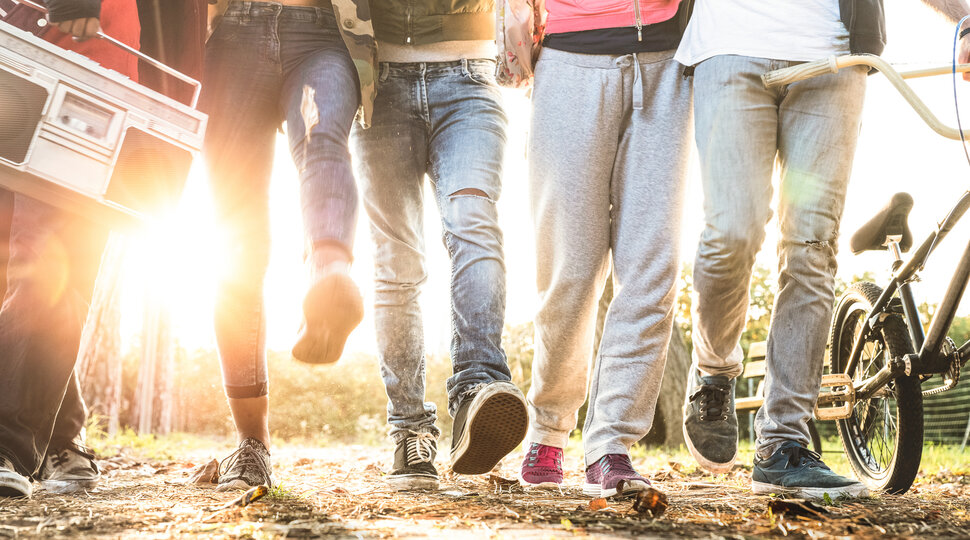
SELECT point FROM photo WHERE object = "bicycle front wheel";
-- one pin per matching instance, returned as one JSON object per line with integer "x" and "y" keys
{"x": 883, "y": 439}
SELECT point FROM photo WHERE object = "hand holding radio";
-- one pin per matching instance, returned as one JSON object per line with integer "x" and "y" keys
{"x": 80, "y": 18}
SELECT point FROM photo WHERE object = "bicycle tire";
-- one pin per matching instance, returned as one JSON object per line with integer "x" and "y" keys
{"x": 886, "y": 459}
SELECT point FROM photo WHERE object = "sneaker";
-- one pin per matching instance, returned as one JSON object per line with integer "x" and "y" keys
{"x": 414, "y": 463}
{"x": 69, "y": 469}
{"x": 12, "y": 483}
{"x": 613, "y": 475}
{"x": 710, "y": 422}
{"x": 542, "y": 467}
{"x": 332, "y": 308}
{"x": 488, "y": 427}
{"x": 247, "y": 467}
{"x": 797, "y": 471}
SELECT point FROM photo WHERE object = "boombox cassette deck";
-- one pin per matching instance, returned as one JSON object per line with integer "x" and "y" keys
{"x": 88, "y": 139}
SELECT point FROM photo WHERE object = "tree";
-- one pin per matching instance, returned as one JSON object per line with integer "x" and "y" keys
{"x": 99, "y": 357}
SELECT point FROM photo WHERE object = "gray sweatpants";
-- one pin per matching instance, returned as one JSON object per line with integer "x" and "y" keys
{"x": 607, "y": 157}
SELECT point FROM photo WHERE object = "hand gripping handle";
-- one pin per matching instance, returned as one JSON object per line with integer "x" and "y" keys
{"x": 141, "y": 56}
{"x": 800, "y": 72}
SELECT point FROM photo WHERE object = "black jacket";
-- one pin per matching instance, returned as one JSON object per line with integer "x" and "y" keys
{"x": 866, "y": 22}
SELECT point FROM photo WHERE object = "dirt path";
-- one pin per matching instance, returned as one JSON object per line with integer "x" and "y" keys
{"x": 338, "y": 492}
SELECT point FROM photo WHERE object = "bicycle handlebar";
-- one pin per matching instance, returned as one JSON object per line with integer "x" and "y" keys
{"x": 833, "y": 64}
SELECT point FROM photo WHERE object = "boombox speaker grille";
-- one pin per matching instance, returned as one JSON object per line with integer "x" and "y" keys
{"x": 149, "y": 174}
{"x": 21, "y": 110}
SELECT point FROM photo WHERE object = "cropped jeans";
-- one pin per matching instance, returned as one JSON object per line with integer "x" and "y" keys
{"x": 742, "y": 128}
{"x": 265, "y": 64}
{"x": 445, "y": 120}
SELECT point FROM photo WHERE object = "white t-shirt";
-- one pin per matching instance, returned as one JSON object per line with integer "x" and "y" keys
{"x": 798, "y": 30}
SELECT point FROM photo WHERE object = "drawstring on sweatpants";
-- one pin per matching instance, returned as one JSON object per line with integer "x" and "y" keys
{"x": 637, "y": 85}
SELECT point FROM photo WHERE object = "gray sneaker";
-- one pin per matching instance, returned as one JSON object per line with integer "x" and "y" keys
{"x": 710, "y": 421}
{"x": 797, "y": 471}
{"x": 12, "y": 483}
{"x": 247, "y": 467}
{"x": 69, "y": 469}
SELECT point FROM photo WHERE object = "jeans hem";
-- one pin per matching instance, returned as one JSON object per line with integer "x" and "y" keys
{"x": 595, "y": 454}
{"x": 246, "y": 392}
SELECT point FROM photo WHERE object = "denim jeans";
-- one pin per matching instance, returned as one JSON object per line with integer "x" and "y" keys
{"x": 54, "y": 260}
{"x": 265, "y": 64}
{"x": 741, "y": 127}
{"x": 444, "y": 120}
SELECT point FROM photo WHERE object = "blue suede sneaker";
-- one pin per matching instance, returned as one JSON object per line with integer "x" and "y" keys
{"x": 710, "y": 421}
{"x": 797, "y": 471}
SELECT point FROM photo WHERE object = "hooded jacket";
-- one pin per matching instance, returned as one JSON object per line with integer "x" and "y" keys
{"x": 866, "y": 22}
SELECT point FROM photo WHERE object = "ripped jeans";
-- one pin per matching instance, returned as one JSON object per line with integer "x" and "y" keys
{"x": 443, "y": 119}
{"x": 811, "y": 128}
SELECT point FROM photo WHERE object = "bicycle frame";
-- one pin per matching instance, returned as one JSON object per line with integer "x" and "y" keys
{"x": 928, "y": 359}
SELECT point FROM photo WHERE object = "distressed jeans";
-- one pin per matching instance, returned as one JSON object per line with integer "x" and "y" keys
{"x": 443, "y": 119}
{"x": 741, "y": 127}
{"x": 265, "y": 64}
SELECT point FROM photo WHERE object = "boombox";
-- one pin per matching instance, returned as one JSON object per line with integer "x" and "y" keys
{"x": 88, "y": 139}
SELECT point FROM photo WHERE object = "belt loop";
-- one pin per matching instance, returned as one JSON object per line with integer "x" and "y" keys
{"x": 464, "y": 66}
{"x": 637, "y": 85}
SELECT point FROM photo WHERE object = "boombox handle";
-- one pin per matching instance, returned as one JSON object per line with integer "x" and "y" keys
{"x": 142, "y": 56}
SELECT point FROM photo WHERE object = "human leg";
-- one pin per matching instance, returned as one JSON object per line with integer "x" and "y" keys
{"x": 646, "y": 192}
{"x": 241, "y": 96}
{"x": 736, "y": 171}
{"x": 818, "y": 127}
{"x": 391, "y": 166}
{"x": 320, "y": 98}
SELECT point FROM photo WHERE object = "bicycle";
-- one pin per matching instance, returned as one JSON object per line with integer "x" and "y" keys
{"x": 879, "y": 354}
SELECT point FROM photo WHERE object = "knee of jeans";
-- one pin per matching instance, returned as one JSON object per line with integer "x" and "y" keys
{"x": 735, "y": 242}
{"x": 470, "y": 212}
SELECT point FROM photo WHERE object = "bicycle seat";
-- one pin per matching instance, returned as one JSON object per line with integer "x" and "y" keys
{"x": 890, "y": 221}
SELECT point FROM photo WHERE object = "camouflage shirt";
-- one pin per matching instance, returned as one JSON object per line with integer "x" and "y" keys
{"x": 357, "y": 30}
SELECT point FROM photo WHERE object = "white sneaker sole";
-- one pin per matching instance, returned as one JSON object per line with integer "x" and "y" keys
{"x": 496, "y": 423}
{"x": 14, "y": 485}
{"x": 408, "y": 483}
{"x": 546, "y": 486}
{"x": 596, "y": 490}
{"x": 63, "y": 487}
{"x": 850, "y": 491}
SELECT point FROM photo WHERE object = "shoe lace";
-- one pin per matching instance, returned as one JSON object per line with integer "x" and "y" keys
{"x": 618, "y": 463}
{"x": 800, "y": 456}
{"x": 712, "y": 401}
{"x": 244, "y": 456}
{"x": 541, "y": 455}
{"x": 421, "y": 448}
{"x": 64, "y": 455}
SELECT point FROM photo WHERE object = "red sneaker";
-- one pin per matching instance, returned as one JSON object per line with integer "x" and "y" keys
{"x": 542, "y": 467}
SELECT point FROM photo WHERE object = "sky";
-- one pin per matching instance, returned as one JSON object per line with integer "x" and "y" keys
{"x": 896, "y": 152}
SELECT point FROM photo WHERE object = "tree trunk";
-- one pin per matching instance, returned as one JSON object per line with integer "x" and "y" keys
{"x": 154, "y": 401}
{"x": 99, "y": 358}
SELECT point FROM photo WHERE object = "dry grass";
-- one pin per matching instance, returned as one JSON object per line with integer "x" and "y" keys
{"x": 339, "y": 492}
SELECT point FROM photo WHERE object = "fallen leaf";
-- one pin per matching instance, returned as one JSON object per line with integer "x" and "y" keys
{"x": 597, "y": 504}
{"x": 650, "y": 501}
{"x": 497, "y": 481}
{"x": 797, "y": 507}
{"x": 249, "y": 497}
{"x": 205, "y": 474}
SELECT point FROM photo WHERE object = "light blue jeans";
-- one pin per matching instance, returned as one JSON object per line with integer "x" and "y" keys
{"x": 443, "y": 119}
{"x": 741, "y": 127}
{"x": 265, "y": 64}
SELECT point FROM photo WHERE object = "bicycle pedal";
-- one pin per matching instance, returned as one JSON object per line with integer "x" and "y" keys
{"x": 836, "y": 397}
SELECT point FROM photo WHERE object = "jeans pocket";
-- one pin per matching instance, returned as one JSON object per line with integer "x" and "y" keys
{"x": 480, "y": 70}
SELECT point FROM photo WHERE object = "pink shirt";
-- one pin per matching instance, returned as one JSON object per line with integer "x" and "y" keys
{"x": 576, "y": 15}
